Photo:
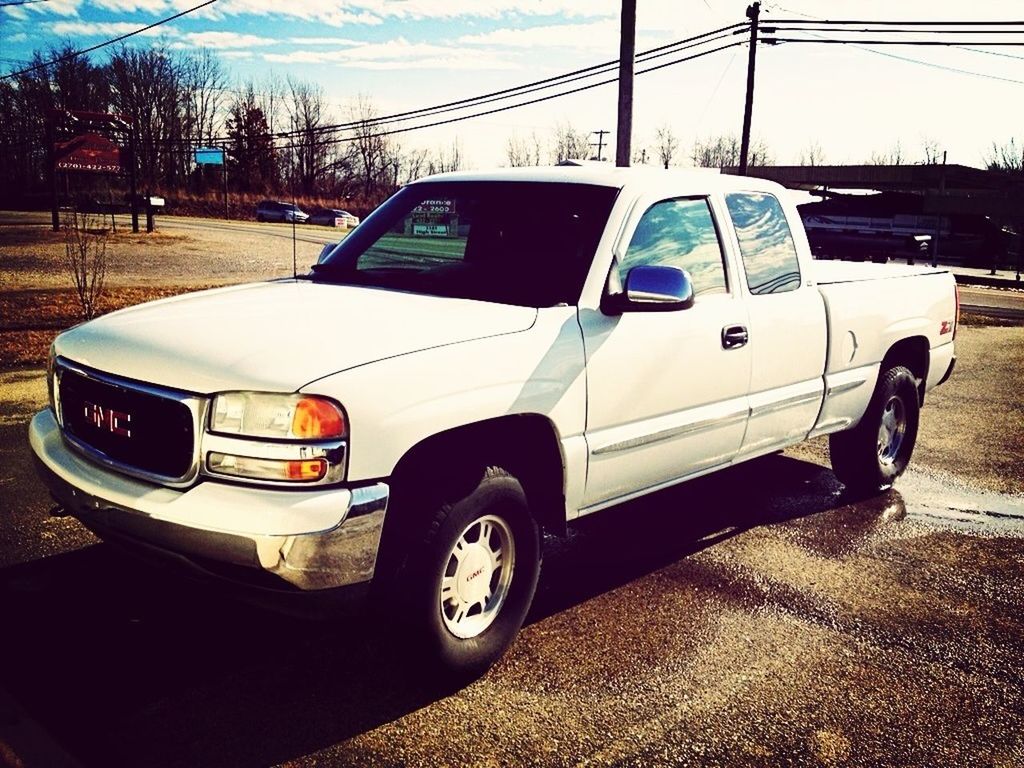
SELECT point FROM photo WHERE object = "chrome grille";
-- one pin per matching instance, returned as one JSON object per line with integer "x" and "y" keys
{"x": 145, "y": 431}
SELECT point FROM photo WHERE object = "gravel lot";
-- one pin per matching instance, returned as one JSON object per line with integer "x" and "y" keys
{"x": 181, "y": 252}
{"x": 755, "y": 617}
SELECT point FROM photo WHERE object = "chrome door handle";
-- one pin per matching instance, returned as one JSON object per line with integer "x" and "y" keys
{"x": 734, "y": 336}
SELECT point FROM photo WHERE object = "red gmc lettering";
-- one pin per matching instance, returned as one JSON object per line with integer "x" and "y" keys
{"x": 117, "y": 422}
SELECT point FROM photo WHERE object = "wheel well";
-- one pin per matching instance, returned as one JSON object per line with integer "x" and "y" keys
{"x": 526, "y": 445}
{"x": 914, "y": 353}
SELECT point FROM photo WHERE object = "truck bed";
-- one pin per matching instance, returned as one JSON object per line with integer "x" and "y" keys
{"x": 831, "y": 272}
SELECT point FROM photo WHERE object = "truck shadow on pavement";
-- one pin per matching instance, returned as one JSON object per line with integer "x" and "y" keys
{"x": 124, "y": 665}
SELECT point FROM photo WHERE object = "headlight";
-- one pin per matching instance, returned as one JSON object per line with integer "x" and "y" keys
{"x": 276, "y": 438}
{"x": 283, "y": 417}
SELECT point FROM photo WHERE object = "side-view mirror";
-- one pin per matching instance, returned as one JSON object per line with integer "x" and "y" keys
{"x": 655, "y": 288}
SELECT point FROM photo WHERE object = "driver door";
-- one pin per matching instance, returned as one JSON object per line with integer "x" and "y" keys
{"x": 666, "y": 394}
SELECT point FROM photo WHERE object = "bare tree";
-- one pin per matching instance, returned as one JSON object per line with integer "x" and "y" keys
{"x": 666, "y": 144}
{"x": 932, "y": 153}
{"x": 893, "y": 157}
{"x": 85, "y": 257}
{"x": 812, "y": 154}
{"x": 310, "y": 139}
{"x": 445, "y": 160}
{"x": 1005, "y": 157}
{"x": 724, "y": 152}
{"x": 570, "y": 143}
{"x": 147, "y": 87}
{"x": 523, "y": 151}
{"x": 204, "y": 83}
{"x": 373, "y": 159}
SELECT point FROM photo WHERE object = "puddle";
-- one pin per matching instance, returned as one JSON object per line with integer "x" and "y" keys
{"x": 939, "y": 499}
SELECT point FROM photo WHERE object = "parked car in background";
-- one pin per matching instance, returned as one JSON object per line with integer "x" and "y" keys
{"x": 333, "y": 217}
{"x": 274, "y": 210}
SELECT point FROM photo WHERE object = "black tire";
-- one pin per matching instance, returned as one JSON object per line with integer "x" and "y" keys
{"x": 869, "y": 458}
{"x": 498, "y": 496}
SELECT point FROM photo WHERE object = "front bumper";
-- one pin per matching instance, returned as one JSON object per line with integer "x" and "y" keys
{"x": 312, "y": 539}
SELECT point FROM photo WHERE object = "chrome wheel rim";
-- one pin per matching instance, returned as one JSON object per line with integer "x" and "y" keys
{"x": 476, "y": 576}
{"x": 892, "y": 430}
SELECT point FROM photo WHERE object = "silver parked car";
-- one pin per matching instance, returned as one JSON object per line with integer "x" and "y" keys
{"x": 274, "y": 210}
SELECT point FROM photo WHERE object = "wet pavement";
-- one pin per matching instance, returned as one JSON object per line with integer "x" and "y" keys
{"x": 755, "y": 617}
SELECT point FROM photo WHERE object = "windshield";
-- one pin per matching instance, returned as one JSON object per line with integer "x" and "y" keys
{"x": 524, "y": 243}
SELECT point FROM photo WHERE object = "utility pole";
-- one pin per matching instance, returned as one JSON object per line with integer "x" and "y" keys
{"x": 600, "y": 143}
{"x": 753, "y": 12}
{"x": 627, "y": 51}
{"x": 938, "y": 216}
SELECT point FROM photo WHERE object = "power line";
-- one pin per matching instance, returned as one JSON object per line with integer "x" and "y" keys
{"x": 538, "y": 100}
{"x": 911, "y": 23}
{"x": 915, "y": 23}
{"x": 704, "y": 38}
{"x": 836, "y": 41}
{"x": 22, "y": 2}
{"x": 118, "y": 39}
{"x": 935, "y": 65}
{"x": 537, "y": 85}
{"x": 991, "y": 53}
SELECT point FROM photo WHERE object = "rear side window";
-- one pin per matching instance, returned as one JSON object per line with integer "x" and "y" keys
{"x": 679, "y": 233}
{"x": 766, "y": 243}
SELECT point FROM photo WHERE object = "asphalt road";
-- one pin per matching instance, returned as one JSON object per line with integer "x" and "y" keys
{"x": 756, "y": 617}
{"x": 1004, "y": 304}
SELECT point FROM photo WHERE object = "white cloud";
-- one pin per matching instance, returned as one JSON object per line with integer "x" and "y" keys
{"x": 104, "y": 29}
{"x": 329, "y": 12}
{"x": 56, "y": 7}
{"x": 132, "y": 6}
{"x": 236, "y": 54}
{"x": 222, "y": 40}
{"x": 597, "y": 34}
{"x": 324, "y": 41}
{"x": 15, "y": 12}
{"x": 18, "y": 38}
{"x": 396, "y": 54}
{"x": 490, "y": 9}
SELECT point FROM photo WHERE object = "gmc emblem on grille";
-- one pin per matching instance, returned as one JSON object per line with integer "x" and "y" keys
{"x": 115, "y": 422}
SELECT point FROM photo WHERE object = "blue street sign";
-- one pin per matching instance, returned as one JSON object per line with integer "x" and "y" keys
{"x": 209, "y": 156}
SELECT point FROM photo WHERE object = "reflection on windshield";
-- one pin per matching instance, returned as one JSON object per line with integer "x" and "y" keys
{"x": 525, "y": 243}
{"x": 769, "y": 254}
{"x": 679, "y": 233}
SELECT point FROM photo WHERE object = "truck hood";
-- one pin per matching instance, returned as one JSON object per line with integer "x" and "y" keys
{"x": 276, "y": 336}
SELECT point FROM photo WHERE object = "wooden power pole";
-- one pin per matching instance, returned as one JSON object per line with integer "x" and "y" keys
{"x": 627, "y": 50}
{"x": 753, "y": 12}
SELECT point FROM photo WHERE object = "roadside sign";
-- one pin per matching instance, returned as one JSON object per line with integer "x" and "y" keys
{"x": 89, "y": 152}
{"x": 209, "y": 156}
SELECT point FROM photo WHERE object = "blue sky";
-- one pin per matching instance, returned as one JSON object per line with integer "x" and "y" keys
{"x": 404, "y": 54}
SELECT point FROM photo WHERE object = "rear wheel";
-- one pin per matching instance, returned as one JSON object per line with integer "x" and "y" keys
{"x": 469, "y": 584}
{"x": 873, "y": 454}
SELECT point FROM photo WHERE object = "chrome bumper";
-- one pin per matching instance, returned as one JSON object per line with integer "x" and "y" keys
{"x": 310, "y": 539}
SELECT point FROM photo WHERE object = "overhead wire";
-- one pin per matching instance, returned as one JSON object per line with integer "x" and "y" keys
{"x": 105, "y": 43}
{"x": 549, "y": 97}
{"x": 537, "y": 85}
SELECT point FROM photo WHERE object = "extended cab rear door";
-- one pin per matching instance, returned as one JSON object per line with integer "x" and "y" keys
{"x": 787, "y": 323}
{"x": 666, "y": 395}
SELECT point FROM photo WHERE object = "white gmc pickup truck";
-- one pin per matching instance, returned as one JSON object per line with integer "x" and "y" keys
{"x": 487, "y": 357}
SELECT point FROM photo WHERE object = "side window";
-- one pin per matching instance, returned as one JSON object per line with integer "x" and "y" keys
{"x": 769, "y": 253}
{"x": 679, "y": 233}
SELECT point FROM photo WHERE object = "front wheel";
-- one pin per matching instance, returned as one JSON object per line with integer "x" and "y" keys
{"x": 873, "y": 454}
{"x": 470, "y": 583}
